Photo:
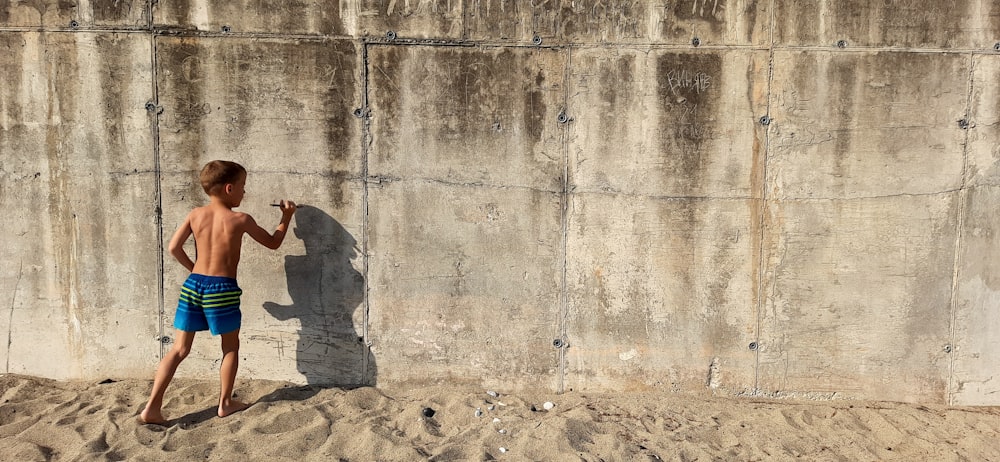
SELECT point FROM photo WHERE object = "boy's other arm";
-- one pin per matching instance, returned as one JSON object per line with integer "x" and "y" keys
{"x": 176, "y": 246}
{"x": 269, "y": 240}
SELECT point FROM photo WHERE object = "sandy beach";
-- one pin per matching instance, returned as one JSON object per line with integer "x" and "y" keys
{"x": 44, "y": 420}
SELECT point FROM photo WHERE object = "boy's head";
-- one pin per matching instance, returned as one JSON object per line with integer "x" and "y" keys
{"x": 218, "y": 173}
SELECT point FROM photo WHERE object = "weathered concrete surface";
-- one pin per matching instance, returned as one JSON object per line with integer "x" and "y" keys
{"x": 660, "y": 254}
{"x": 467, "y": 219}
{"x": 976, "y": 344}
{"x": 984, "y": 123}
{"x": 489, "y": 116}
{"x": 255, "y": 16}
{"x": 763, "y": 213}
{"x": 862, "y": 124}
{"x": 741, "y": 22}
{"x": 895, "y": 23}
{"x": 285, "y": 105}
{"x": 78, "y": 193}
{"x": 494, "y": 252}
{"x": 61, "y": 14}
{"x": 659, "y": 291}
{"x": 858, "y": 296}
{"x": 427, "y": 19}
{"x": 673, "y": 124}
{"x": 864, "y": 163}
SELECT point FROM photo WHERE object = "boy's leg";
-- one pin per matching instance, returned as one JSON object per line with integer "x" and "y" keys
{"x": 164, "y": 374}
{"x": 227, "y": 373}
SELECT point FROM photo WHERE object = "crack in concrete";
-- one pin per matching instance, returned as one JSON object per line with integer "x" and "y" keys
{"x": 10, "y": 320}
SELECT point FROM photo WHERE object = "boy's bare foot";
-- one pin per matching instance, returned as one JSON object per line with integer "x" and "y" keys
{"x": 148, "y": 417}
{"x": 233, "y": 406}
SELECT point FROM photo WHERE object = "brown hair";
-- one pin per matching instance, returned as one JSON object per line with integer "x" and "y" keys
{"x": 219, "y": 173}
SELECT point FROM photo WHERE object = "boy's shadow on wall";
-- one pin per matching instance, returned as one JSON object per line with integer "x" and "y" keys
{"x": 325, "y": 291}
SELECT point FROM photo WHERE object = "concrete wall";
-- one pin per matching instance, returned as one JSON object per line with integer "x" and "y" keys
{"x": 751, "y": 197}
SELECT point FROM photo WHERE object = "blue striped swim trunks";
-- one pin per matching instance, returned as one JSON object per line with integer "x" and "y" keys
{"x": 209, "y": 303}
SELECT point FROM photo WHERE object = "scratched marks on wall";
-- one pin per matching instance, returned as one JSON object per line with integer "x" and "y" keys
{"x": 656, "y": 21}
{"x": 708, "y": 10}
{"x": 579, "y": 21}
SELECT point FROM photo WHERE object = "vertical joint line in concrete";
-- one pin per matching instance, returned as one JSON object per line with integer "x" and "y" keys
{"x": 465, "y": 22}
{"x": 968, "y": 118}
{"x": 154, "y": 124}
{"x": 761, "y": 298}
{"x": 365, "y": 135}
{"x": 960, "y": 225}
{"x": 564, "y": 219}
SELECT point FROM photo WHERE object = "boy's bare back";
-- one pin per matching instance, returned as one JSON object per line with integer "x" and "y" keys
{"x": 218, "y": 236}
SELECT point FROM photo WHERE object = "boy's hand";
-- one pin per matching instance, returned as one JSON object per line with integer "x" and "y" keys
{"x": 287, "y": 207}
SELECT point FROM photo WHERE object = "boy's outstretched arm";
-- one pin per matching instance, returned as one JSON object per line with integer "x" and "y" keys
{"x": 176, "y": 246}
{"x": 269, "y": 240}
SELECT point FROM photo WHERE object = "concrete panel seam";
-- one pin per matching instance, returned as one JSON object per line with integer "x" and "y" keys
{"x": 762, "y": 206}
{"x": 655, "y": 197}
{"x": 877, "y": 196}
{"x": 365, "y": 144}
{"x": 384, "y": 179}
{"x": 187, "y": 33}
{"x": 157, "y": 198}
{"x": 70, "y": 29}
{"x": 882, "y": 49}
{"x": 564, "y": 199}
{"x": 951, "y": 349}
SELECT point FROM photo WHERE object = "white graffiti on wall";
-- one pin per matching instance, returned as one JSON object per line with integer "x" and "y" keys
{"x": 685, "y": 81}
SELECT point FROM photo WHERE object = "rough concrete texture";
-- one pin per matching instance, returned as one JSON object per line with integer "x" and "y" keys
{"x": 78, "y": 188}
{"x": 745, "y": 197}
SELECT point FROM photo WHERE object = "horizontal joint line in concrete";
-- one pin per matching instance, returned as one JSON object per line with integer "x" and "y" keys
{"x": 341, "y": 175}
{"x": 610, "y": 192}
{"x": 850, "y": 198}
{"x": 92, "y": 30}
{"x": 379, "y": 179}
{"x": 893, "y": 49}
{"x": 374, "y": 40}
{"x": 258, "y": 35}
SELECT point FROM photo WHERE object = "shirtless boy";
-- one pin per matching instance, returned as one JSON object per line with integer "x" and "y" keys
{"x": 210, "y": 298}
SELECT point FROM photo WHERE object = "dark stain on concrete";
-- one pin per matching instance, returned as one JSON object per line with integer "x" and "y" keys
{"x": 712, "y": 12}
{"x": 599, "y": 19}
{"x": 470, "y": 97}
{"x": 11, "y": 66}
{"x": 114, "y": 54}
{"x": 63, "y": 8}
{"x": 182, "y": 70}
{"x": 616, "y": 78}
{"x": 60, "y": 65}
{"x": 340, "y": 56}
{"x": 116, "y": 11}
{"x": 175, "y": 12}
{"x": 689, "y": 94}
{"x": 842, "y": 79}
{"x": 884, "y": 23}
